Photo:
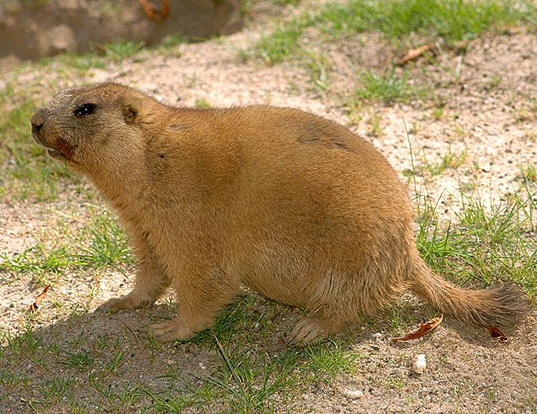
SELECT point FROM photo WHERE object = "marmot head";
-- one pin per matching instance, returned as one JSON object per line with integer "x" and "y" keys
{"x": 80, "y": 124}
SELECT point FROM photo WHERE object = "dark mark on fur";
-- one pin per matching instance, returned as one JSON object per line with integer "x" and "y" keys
{"x": 65, "y": 148}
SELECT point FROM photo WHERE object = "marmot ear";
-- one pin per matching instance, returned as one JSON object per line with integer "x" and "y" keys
{"x": 131, "y": 108}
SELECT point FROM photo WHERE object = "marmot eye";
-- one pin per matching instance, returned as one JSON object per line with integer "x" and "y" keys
{"x": 84, "y": 110}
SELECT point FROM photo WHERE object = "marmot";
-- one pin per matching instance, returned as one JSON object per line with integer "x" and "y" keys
{"x": 292, "y": 205}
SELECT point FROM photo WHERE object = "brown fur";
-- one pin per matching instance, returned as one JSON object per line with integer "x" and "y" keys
{"x": 290, "y": 204}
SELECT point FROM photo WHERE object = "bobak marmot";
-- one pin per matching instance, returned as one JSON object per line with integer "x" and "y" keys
{"x": 292, "y": 205}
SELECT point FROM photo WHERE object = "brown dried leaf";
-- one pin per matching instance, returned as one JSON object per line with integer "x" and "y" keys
{"x": 497, "y": 334}
{"x": 38, "y": 299}
{"x": 152, "y": 13}
{"x": 414, "y": 54}
{"x": 424, "y": 329}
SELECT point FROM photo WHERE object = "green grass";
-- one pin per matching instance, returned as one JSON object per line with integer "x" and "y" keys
{"x": 121, "y": 50}
{"x": 249, "y": 381}
{"x": 387, "y": 88}
{"x": 451, "y": 20}
{"x": 319, "y": 70}
{"x": 450, "y": 160}
{"x": 171, "y": 45}
{"x": 100, "y": 244}
{"x": 80, "y": 361}
{"x": 253, "y": 382}
{"x": 67, "y": 63}
{"x": 202, "y": 103}
{"x": 38, "y": 260}
{"x": 241, "y": 375}
{"x": 107, "y": 246}
{"x": 530, "y": 173}
{"x": 488, "y": 245}
{"x": 280, "y": 44}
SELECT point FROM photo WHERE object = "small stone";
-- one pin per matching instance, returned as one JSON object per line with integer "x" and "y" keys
{"x": 419, "y": 364}
{"x": 353, "y": 394}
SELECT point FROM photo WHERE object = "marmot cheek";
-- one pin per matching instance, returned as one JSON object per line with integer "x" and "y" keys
{"x": 65, "y": 147}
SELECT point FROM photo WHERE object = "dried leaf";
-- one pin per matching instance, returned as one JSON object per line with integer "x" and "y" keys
{"x": 38, "y": 299}
{"x": 152, "y": 13}
{"x": 424, "y": 329}
{"x": 414, "y": 54}
{"x": 497, "y": 334}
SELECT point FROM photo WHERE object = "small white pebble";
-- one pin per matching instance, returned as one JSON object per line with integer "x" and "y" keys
{"x": 377, "y": 336}
{"x": 419, "y": 364}
{"x": 353, "y": 394}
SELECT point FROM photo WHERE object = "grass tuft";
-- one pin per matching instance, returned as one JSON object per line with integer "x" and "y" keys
{"x": 326, "y": 361}
{"x": 250, "y": 380}
{"x": 488, "y": 245}
{"x": 121, "y": 50}
{"x": 107, "y": 246}
{"x": 102, "y": 244}
{"x": 280, "y": 44}
{"x": 387, "y": 88}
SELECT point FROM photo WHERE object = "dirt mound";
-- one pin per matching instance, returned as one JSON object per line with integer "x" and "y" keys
{"x": 56, "y": 26}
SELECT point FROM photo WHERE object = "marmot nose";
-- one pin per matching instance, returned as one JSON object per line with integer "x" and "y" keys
{"x": 38, "y": 120}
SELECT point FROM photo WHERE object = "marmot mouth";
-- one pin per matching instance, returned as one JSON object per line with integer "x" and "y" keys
{"x": 54, "y": 153}
{"x": 60, "y": 150}
{"x": 51, "y": 151}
